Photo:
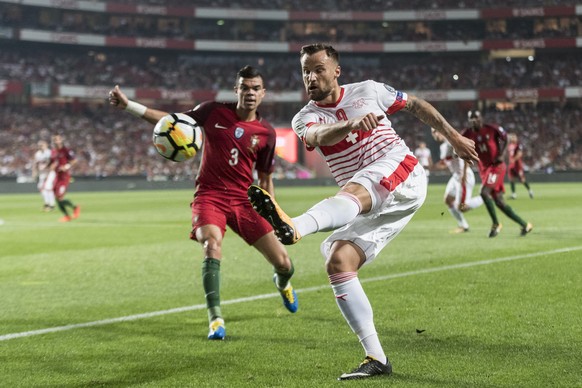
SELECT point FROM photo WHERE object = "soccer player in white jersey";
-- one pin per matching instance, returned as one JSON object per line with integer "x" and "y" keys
{"x": 459, "y": 190}
{"x": 46, "y": 177}
{"x": 381, "y": 183}
{"x": 424, "y": 156}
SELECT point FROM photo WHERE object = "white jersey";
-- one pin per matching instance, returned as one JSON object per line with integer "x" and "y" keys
{"x": 452, "y": 161}
{"x": 359, "y": 148}
{"x": 424, "y": 156}
{"x": 42, "y": 160}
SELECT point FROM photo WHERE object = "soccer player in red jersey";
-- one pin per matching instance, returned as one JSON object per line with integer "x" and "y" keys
{"x": 515, "y": 168}
{"x": 382, "y": 183}
{"x": 491, "y": 144}
{"x": 62, "y": 160}
{"x": 237, "y": 140}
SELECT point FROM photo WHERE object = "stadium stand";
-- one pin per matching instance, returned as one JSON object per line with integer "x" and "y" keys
{"x": 519, "y": 64}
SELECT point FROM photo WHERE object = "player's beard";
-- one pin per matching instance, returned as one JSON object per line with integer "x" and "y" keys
{"x": 319, "y": 94}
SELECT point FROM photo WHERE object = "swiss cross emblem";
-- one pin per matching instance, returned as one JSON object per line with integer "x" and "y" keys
{"x": 352, "y": 137}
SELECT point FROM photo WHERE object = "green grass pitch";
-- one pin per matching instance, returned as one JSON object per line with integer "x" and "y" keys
{"x": 115, "y": 299}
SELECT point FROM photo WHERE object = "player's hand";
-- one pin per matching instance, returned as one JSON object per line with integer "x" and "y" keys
{"x": 367, "y": 122}
{"x": 117, "y": 98}
{"x": 465, "y": 149}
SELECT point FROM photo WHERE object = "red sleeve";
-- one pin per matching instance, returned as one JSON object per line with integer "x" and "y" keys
{"x": 266, "y": 155}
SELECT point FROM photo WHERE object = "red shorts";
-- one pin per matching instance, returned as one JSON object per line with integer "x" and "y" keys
{"x": 515, "y": 170}
{"x": 61, "y": 185}
{"x": 492, "y": 177}
{"x": 238, "y": 215}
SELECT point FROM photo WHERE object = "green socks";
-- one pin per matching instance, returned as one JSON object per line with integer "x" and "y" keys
{"x": 490, "y": 205}
{"x": 211, "y": 283}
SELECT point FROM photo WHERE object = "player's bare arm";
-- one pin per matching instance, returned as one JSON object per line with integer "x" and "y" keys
{"x": 118, "y": 99}
{"x": 330, "y": 134}
{"x": 266, "y": 182}
{"x": 428, "y": 114}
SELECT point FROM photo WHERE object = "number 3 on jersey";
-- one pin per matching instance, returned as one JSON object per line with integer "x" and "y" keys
{"x": 233, "y": 157}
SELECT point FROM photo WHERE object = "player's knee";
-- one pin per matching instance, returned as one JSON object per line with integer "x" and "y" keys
{"x": 212, "y": 246}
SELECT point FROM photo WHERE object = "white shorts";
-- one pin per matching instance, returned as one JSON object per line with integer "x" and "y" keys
{"x": 46, "y": 181}
{"x": 455, "y": 188}
{"x": 391, "y": 210}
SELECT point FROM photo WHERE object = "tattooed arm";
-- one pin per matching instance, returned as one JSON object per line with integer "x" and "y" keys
{"x": 428, "y": 114}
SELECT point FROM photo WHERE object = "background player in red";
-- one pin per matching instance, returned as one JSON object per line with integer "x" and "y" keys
{"x": 236, "y": 141}
{"x": 515, "y": 169}
{"x": 491, "y": 143}
{"x": 62, "y": 160}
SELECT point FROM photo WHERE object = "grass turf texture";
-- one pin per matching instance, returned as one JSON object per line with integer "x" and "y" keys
{"x": 451, "y": 310}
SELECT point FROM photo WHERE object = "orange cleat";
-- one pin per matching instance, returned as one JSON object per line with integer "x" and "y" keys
{"x": 76, "y": 212}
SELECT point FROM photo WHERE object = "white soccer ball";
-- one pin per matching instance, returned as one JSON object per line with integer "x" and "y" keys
{"x": 177, "y": 137}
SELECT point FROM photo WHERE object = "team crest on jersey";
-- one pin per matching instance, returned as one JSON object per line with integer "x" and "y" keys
{"x": 254, "y": 144}
{"x": 239, "y": 132}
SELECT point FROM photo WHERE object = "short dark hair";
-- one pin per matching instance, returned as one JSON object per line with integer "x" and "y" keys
{"x": 248, "y": 72}
{"x": 311, "y": 49}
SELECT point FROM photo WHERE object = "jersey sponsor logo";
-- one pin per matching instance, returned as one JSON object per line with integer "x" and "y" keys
{"x": 239, "y": 132}
{"x": 399, "y": 96}
{"x": 220, "y": 126}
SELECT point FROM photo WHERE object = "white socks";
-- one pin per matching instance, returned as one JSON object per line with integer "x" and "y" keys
{"x": 461, "y": 221}
{"x": 357, "y": 311}
{"x": 329, "y": 214}
{"x": 48, "y": 197}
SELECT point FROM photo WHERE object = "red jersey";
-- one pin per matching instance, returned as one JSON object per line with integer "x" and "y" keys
{"x": 231, "y": 149}
{"x": 60, "y": 157}
{"x": 513, "y": 149}
{"x": 490, "y": 141}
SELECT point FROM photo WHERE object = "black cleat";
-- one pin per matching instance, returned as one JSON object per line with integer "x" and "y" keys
{"x": 495, "y": 229}
{"x": 267, "y": 208}
{"x": 368, "y": 368}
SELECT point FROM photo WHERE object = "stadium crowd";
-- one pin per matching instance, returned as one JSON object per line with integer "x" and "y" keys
{"x": 109, "y": 143}
{"x": 346, "y": 31}
{"x": 149, "y": 69}
{"x": 349, "y": 5}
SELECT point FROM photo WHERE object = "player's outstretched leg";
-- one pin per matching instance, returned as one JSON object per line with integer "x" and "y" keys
{"x": 268, "y": 208}
{"x": 217, "y": 329}
{"x": 368, "y": 368}
{"x": 289, "y": 296}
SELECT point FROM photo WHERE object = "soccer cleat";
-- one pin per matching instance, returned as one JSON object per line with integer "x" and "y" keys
{"x": 530, "y": 192}
{"x": 76, "y": 212}
{"x": 526, "y": 229}
{"x": 495, "y": 229}
{"x": 513, "y": 196}
{"x": 48, "y": 208}
{"x": 368, "y": 368}
{"x": 217, "y": 329}
{"x": 459, "y": 230}
{"x": 267, "y": 208}
{"x": 463, "y": 207}
{"x": 289, "y": 296}
{"x": 65, "y": 219}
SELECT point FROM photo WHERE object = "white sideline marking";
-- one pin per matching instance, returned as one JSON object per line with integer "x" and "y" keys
{"x": 135, "y": 317}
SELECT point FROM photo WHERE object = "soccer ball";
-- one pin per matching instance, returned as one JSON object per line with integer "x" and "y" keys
{"x": 177, "y": 137}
